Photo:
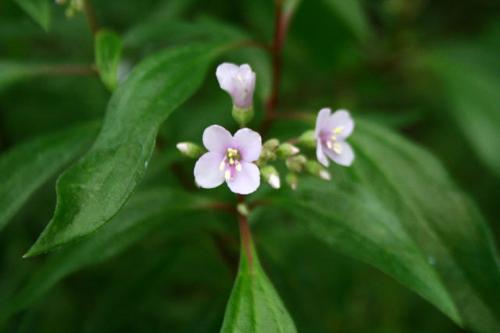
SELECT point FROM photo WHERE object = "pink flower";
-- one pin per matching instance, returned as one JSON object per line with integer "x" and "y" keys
{"x": 239, "y": 82}
{"x": 331, "y": 132}
{"x": 229, "y": 158}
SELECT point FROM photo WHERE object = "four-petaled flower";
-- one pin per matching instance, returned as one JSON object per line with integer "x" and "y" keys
{"x": 239, "y": 82}
{"x": 331, "y": 132}
{"x": 229, "y": 158}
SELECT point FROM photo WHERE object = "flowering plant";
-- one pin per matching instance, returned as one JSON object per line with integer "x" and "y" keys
{"x": 296, "y": 125}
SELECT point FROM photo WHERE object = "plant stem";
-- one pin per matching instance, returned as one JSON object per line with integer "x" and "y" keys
{"x": 90, "y": 15}
{"x": 280, "y": 31}
{"x": 245, "y": 233}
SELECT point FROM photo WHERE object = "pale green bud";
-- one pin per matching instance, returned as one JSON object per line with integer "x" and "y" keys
{"x": 271, "y": 144}
{"x": 271, "y": 175}
{"x": 286, "y": 150}
{"x": 189, "y": 149}
{"x": 242, "y": 208}
{"x": 296, "y": 163}
{"x": 316, "y": 169}
{"x": 268, "y": 151}
{"x": 308, "y": 139}
{"x": 292, "y": 180}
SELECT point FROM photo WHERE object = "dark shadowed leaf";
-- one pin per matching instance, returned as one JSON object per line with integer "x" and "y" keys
{"x": 12, "y": 72}
{"x": 38, "y": 10}
{"x": 470, "y": 79}
{"x": 93, "y": 190}
{"x": 26, "y": 167}
{"x": 145, "y": 212}
{"x": 353, "y": 15}
{"x": 108, "y": 49}
{"x": 254, "y": 305}
{"x": 397, "y": 209}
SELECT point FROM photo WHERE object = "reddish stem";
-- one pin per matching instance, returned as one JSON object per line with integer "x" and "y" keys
{"x": 91, "y": 17}
{"x": 245, "y": 234}
{"x": 280, "y": 31}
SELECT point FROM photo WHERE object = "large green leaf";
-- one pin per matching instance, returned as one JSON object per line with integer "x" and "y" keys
{"x": 39, "y": 10}
{"x": 254, "y": 305}
{"x": 108, "y": 49}
{"x": 93, "y": 190}
{"x": 12, "y": 72}
{"x": 397, "y": 209}
{"x": 26, "y": 167}
{"x": 469, "y": 76}
{"x": 352, "y": 14}
{"x": 145, "y": 212}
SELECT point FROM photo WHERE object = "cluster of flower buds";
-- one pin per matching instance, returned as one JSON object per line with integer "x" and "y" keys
{"x": 241, "y": 160}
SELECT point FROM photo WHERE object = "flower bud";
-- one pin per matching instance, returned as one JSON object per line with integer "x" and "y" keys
{"x": 271, "y": 176}
{"x": 189, "y": 149}
{"x": 271, "y": 144}
{"x": 287, "y": 149}
{"x": 242, "y": 208}
{"x": 296, "y": 163}
{"x": 242, "y": 116}
{"x": 308, "y": 139}
{"x": 239, "y": 83}
{"x": 316, "y": 169}
{"x": 268, "y": 152}
{"x": 292, "y": 180}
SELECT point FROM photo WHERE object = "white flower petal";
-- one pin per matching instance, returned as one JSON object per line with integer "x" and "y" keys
{"x": 249, "y": 143}
{"x": 320, "y": 155}
{"x": 217, "y": 139}
{"x": 225, "y": 73}
{"x": 245, "y": 181}
{"x": 322, "y": 121}
{"x": 346, "y": 156}
{"x": 207, "y": 173}
{"x": 342, "y": 120}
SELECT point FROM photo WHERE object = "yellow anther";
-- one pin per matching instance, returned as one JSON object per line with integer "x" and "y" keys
{"x": 337, "y": 130}
{"x": 227, "y": 175}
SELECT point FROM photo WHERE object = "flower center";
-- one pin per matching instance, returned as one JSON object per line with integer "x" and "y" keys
{"x": 231, "y": 163}
{"x": 331, "y": 139}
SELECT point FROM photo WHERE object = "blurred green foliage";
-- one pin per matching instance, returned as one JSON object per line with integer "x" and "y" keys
{"x": 426, "y": 69}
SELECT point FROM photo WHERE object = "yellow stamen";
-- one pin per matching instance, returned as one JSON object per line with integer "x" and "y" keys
{"x": 337, "y": 130}
{"x": 227, "y": 175}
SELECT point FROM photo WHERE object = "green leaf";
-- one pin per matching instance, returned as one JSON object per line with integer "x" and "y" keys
{"x": 471, "y": 85}
{"x": 254, "y": 305}
{"x": 108, "y": 49}
{"x": 397, "y": 209}
{"x": 353, "y": 15}
{"x": 12, "y": 72}
{"x": 93, "y": 190}
{"x": 145, "y": 212}
{"x": 26, "y": 167}
{"x": 161, "y": 31}
{"x": 38, "y": 10}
